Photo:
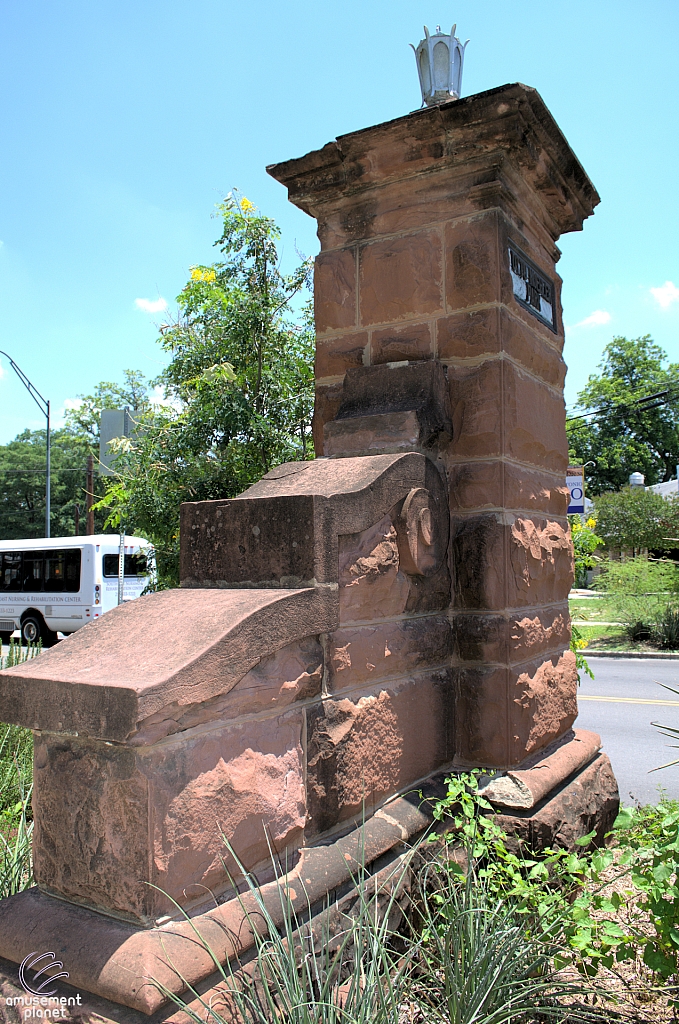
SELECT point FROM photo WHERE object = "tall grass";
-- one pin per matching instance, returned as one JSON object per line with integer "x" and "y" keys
{"x": 16, "y": 786}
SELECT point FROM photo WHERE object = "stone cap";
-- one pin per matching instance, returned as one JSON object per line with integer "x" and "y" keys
{"x": 284, "y": 530}
{"x": 509, "y": 121}
{"x": 176, "y": 646}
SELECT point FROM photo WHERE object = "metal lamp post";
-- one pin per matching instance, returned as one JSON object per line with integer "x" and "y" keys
{"x": 44, "y": 407}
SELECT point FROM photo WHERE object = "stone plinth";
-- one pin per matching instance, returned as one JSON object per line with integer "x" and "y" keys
{"x": 416, "y": 219}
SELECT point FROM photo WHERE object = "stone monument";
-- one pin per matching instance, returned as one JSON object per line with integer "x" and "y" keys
{"x": 348, "y": 627}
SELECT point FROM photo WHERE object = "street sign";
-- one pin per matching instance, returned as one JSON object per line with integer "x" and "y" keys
{"x": 575, "y": 480}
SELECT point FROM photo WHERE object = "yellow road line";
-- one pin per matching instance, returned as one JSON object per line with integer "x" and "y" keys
{"x": 631, "y": 700}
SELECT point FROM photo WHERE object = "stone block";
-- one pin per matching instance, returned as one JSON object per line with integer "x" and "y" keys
{"x": 507, "y": 561}
{"x": 587, "y": 802}
{"x": 360, "y": 655}
{"x": 499, "y": 410}
{"x": 499, "y": 484}
{"x": 400, "y": 279}
{"x": 371, "y": 585}
{"x": 542, "y": 774}
{"x": 336, "y": 354}
{"x": 533, "y": 348}
{"x": 277, "y": 681}
{"x": 394, "y": 344}
{"x": 503, "y": 714}
{"x": 488, "y": 637}
{"x": 335, "y": 290}
{"x": 363, "y": 749}
{"x": 112, "y": 823}
{"x": 472, "y": 261}
{"x": 476, "y": 401}
{"x": 326, "y": 405}
{"x": 468, "y": 335}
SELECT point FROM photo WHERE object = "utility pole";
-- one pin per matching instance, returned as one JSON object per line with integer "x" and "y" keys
{"x": 44, "y": 407}
{"x": 77, "y": 520}
{"x": 89, "y": 494}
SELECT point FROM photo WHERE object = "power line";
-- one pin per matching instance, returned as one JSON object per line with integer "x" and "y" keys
{"x": 659, "y": 398}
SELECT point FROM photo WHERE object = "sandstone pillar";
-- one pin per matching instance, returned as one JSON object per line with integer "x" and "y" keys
{"x": 438, "y": 243}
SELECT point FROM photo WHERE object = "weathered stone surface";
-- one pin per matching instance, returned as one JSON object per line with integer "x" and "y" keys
{"x": 294, "y": 673}
{"x": 336, "y": 355}
{"x": 505, "y": 713}
{"x": 154, "y": 817}
{"x": 117, "y": 672}
{"x": 365, "y": 748}
{"x": 472, "y": 268}
{"x": 335, "y": 297}
{"x": 91, "y": 807}
{"x": 489, "y": 637}
{"x": 527, "y": 425}
{"x": 499, "y": 484}
{"x": 585, "y": 803}
{"x": 370, "y": 583}
{"x": 231, "y": 781}
{"x": 361, "y": 655}
{"x": 400, "y": 278}
{"x": 543, "y": 773}
{"x": 412, "y": 341}
{"x": 508, "y": 561}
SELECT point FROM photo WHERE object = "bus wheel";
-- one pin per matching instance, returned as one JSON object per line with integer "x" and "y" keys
{"x": 33, "y": 629}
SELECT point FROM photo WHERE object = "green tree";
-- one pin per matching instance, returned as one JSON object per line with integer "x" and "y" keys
{"x": 635, "y": 518}
{"x": 239, "y": 387}
{"x": 22, "y": 464}
{"x": 628, "y": 430}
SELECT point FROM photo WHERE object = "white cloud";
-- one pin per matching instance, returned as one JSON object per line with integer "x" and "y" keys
{"x": 595, "y": 319}
{"x": 72, "y": 403}
{"x": 666, "y": 295}
{"x": 151, "y": 305}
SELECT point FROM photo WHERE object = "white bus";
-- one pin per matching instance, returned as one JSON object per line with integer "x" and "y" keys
{"x": 61, "y": 584}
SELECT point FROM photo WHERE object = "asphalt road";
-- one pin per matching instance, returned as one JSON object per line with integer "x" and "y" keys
{"x": 620, "y": 703}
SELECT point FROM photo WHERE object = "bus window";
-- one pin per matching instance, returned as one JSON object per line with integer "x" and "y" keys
{"x": 62, "y": 571}
{"x": 32, "y": 570}
{"x": 10, "y": 562}
{"x": 134, "y": 565}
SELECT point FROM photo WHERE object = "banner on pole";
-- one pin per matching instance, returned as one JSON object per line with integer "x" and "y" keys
{"x": 575, "y": 480}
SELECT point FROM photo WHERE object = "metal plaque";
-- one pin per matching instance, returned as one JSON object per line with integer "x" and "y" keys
{"x": 531, "y": 288}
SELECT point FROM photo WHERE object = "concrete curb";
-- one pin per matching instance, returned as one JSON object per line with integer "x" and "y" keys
{"x": 638, "y": 655}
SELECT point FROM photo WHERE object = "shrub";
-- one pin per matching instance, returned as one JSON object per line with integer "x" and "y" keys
{"x": 585, "y": 543}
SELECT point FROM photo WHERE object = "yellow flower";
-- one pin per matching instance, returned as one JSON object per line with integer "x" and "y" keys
{"x": 591, "y": 523}
{"x": 199, "y": 274}
{"x": 246, "y": 206}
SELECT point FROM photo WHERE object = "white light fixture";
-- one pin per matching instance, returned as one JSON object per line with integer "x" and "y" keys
{"x": 439, "y": 65}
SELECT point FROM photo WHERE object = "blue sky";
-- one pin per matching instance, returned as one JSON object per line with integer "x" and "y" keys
{"x": 123, "y": 124}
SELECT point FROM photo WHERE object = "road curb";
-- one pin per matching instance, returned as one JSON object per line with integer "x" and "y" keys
{"x": 641, "y": 655}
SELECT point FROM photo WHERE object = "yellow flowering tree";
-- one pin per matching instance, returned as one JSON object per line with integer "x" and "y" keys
{"x": 240, "y": 378}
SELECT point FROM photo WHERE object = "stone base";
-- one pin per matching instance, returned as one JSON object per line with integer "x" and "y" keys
{"x": 112, "y": 964}
{"x": 586, "y": 802}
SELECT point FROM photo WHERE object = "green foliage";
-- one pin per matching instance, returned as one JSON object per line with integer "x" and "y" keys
{"x": 577, "y": 645}
{"x": 22, "y": 465}
{"x": 625, "y": 437}
{"x": 240, "y": 383}
{"x": 635, "y": 518}
{"x": 585, "y": 543}
{"x": 642, "y": 595}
